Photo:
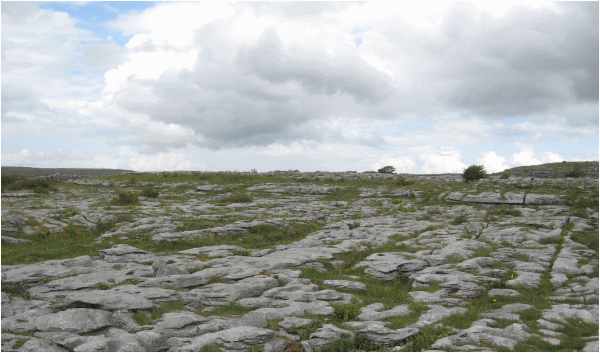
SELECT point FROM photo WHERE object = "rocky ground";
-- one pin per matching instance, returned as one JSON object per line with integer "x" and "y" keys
{"x": 301, "y": 261}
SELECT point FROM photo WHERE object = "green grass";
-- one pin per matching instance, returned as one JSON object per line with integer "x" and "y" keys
{"x": 148, "y": 318}
{"x": 70, "y": 242}
{"x": 124, "y": 198}
{"x": 588, "y": 238}
{"x": 193, "y": 223}
{"x": 346, "y": 312}
{"x": 76, "y": 240}
{"x": 234, "y": 198}
{"x": 149, "y": 191}
{"x": 231, "y": 309}
{"x": 346, "y": 194}
{"x": 15, "y": 182}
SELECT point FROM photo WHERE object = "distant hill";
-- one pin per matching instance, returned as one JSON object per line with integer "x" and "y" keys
{"x": 554, "y": 170}
{"x": 35, "y": 172}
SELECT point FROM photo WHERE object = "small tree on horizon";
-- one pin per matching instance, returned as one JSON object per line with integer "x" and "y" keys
{"x": 474, "y": 172}
{"x": 387, "y": 170}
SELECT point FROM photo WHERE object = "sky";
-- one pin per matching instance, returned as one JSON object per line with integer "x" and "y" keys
{"x": 430, "y": 87}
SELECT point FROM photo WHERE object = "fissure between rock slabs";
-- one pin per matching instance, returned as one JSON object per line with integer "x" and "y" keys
{"x": 301, "y": 261}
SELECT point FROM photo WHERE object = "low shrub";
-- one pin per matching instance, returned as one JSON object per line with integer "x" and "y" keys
{"x": 387, "y": 170}
{"x": 8, "y": 179}
{"x": 17, "y": 182}
{"x": 403, "y": 182}
{"x": 346, "y": 312}
{"x": 575, "y": 173}
{"x": 236, "y": 198}
{"x": 149, "y": 191}
{"x": 460, "y": 219}
{"x": 474, "y": 172}
{"x": 124, "y": 198}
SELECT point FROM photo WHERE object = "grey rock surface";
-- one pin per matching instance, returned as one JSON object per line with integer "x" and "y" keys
{"x": 210, "y": 286}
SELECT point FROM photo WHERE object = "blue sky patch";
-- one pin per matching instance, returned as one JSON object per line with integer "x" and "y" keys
{"x": 93, "y": 15}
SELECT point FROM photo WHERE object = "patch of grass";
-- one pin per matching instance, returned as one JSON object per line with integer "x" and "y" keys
{"x": 530, "y": 316}
{"x": 575, "y": 172}
{"x": 41, "y": 186}
{"x": 193, "y": 223}
{"x": 460, "y": 219}
{"x": 427, "y": 336}
{"x": 148, "y": 318}
{"x": 573, "y": 339}
{"x": 346, "y": 312}
{"x": 579, "y": 328}
{"x": 215, "y": 347}
{"x": 351, "y": 193}
{"x": 578, "y": 199}
{"x": 217, "y": 279}
{"x": 8, "y": 179}
{"x": 20, "y": 343}
{"x": 396, "y": 322}
{"x": 150, "y": 192}
{"x": 520, "y": 257}
{"x": 479, "y": 305}
{"x": 588, "y": 238}
{"x": 235, "y": 198}
{"x": 356, "y": 215}
{"x": 231, "y": 309}
{"x": 580, "y": 213}
{"x": 360, "y": 343}
{"x": 305, "y": 331}
{"x": 124, "y": 198}
{"x": 241, "y": 252}
{"x": 72, "y": 240}
{"x": 17, "y": 289}
{"x": 67, "y": 212}
{"x": 353, "y": 225}
{"x": 552, "y": 240}
{"x": 401, "y": 181}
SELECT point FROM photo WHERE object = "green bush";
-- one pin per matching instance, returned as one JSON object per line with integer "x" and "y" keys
{"x": 149, "y": 191}
{"x": 505, "y": 175}
{"x": 236, "y": 198}
{"x": 125, "y": 198}
{"x": 575, "y": 173}
{"x": 460, "y": 219}
{"x": 474, "y": 172}
{"x": 35, "y": 185}
{"x": 346, "y": 312}
{"x": 8, "y": 179}
{"x": 387, "y": 170}
{"x": 403, "y": 182}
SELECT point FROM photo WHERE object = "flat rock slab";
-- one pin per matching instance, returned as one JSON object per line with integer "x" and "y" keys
{"x": 213, "y": 251}
{"x": 503, "y": 292}
{"x": 348, "y": 285}
{"x": 71, "y": 320}
{"x": 237, "y": 338}
{"x": 507, "y": 312}
{"x": 436, "y": 314}
{"x": 14, "y": 240}
{"x": 108, "y": 300}
{"x": 541, "y": 199}
{"x": 479, "y": 332}
{"x": 290, "y": 322}
{"x": 560, "y": 312}
{"x": 495, "y": 198}
{"x": 382, "y": 335}
{"x": 371, "y": 313}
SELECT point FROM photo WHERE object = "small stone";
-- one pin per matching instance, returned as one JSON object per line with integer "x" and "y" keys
{"x": 503, "y": 292}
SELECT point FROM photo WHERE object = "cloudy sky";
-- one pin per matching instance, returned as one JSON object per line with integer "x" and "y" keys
{"x": 427, "y": 88}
